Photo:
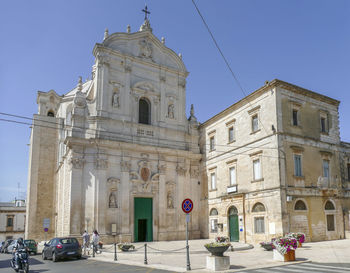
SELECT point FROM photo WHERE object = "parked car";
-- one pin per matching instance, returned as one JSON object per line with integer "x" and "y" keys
{"x": 58, "y": 248}
{"x": 6, "y": 244}
{"x": 1, "y": 244}
{"x": 11, "y": 246}
{"x": 32, "y": 246}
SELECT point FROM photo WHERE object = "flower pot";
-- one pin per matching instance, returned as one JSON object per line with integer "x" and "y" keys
{"x": 288, "y": 257}
{"x": 217, "y": 250}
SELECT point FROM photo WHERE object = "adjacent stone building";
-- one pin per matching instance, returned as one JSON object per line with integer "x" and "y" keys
{"x": 275, "y": 164}
{"x": 117, "y": 153}
{"x": 12, "y": 219}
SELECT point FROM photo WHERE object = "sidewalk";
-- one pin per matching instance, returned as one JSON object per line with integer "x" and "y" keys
{"x": 243, "y": 257}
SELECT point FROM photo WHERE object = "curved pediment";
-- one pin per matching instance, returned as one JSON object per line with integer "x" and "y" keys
{"x": 146, "y": 46}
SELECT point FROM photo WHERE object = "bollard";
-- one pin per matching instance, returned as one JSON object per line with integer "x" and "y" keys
{"x": 145, "y": 262}
{"x": 115, "y": 251}
{"x": 93, "y": 250}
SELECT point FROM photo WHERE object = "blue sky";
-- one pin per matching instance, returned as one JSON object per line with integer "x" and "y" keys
{"x": 48, "y": 45}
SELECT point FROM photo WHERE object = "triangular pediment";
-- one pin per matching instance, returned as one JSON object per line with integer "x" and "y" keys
{"x": 145, "y": 46}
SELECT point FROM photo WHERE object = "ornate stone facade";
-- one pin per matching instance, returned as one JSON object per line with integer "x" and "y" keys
{"x": 104, "y": 155}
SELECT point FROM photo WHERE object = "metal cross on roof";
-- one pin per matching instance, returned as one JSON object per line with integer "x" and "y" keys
{"x": 145, "y": 10}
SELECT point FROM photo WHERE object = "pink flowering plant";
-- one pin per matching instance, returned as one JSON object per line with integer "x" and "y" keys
{"x": 221, "y": 239}
{"x": 285, "y": 244}
{"x": 300, "y": 237}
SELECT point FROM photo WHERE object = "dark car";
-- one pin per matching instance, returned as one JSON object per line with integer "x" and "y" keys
{"x": 5, "y": 245}
{"x": 32, "y": 246}
{"x": 60, "y": 248}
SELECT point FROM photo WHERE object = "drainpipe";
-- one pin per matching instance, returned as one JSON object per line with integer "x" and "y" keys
{"x": 244, "y": 227}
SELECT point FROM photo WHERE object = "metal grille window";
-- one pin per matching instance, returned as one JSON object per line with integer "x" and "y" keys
{"x": 255, "y": 123}
{"x": 9, "y": 221}
{"x": 231, "y": 134}
{"x": 233, "y": 176}
{"x": 259, "y": 225}
{"x": 325, "y": 167}
{"x": 300, "y": 205}
{"x": 323, "y": 125}
{"x": 213, "y": 181}
{"x": 330, "y": 222}
{"x": 214, "y": 225}
{"x": 212, "y": 143}
{"x": 257, "y": 169}
{"x": 144, "y": 112}
{"x": 297, "y": 165}
{"x": 295, "y": 117}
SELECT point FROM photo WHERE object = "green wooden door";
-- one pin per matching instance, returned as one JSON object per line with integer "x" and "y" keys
{"x": 143, "y": 220}
{"x": 234, "y": 230}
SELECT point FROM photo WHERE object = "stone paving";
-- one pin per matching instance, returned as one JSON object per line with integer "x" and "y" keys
{"x": 243, "y": 257}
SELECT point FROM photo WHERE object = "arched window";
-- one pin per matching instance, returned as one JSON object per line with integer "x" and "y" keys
{"x": 258, "y": 207}
{"x": 233, "y": 211}
{"x": 144, "y": 111}
{"x": 213, "y": 212}
{"x": 50, "y": 114}
{"x": 300, "y": 205}
{"x": 329, "y": 206}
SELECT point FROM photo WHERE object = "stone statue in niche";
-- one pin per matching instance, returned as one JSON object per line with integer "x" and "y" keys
{"x": 115, "y": 100}
{"x": 145, "y": 49}
{"x": 112, "y": 200}
{"x": 170, "y": 200}
{"x": 171, "y": 111}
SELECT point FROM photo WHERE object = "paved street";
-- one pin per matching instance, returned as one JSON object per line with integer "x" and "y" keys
{"x": 305, "y": 267}
{"x": 37, "y": 265}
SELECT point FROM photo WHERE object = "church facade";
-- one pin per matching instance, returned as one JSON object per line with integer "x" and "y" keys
{"x": 118, "y": 153}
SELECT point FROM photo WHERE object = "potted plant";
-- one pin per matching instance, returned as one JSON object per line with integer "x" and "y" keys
{"x": 217, "y": 248}
{"x": 126, "y": 246}
{"x": 221, "y": 239}
{"x": 300, "y": 237}
{"x": 284, "y": 249}
{"x": 267, "y": 245}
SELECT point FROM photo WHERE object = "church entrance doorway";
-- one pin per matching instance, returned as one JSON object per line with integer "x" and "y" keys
{"x": 233, "y": 224}
{"x": 143, "y": 220}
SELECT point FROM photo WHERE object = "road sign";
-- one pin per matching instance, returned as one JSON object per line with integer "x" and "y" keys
{"x": 46, "y": 223}
{"x": 187, "y": 205}
{"x": 46, "y": 229}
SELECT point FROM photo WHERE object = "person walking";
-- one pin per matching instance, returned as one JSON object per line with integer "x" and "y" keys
{"x": 95, "y": 241}
{"x": 86, "y": 241}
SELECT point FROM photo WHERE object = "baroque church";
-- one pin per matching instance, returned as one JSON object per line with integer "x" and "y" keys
{"x": 118, "y": 153}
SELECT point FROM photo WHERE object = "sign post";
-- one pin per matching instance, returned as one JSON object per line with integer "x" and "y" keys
{"x": 46, "y": 225}
{"x": 187, "y": 206}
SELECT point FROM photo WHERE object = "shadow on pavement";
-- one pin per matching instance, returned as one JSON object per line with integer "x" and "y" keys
{"x": 5, "y": 263}
{"x": 236, "y": 267}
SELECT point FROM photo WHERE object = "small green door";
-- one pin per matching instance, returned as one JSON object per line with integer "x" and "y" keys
{"x": 233, "y": 225}
{"x": 143, "y": 220}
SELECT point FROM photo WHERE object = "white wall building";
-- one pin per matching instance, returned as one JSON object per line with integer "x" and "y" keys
{"x": 12, "y": 219}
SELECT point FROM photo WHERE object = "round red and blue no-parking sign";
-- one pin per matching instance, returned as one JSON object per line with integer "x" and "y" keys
{"x": 187, "y": 205}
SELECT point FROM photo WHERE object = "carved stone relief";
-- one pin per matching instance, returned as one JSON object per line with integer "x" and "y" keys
{"x": 181, "y": 170}
{"x": 145, "y": 49}
{"x": 77, "y": 162}
{"x": 101, "y": 163}
{"x": 125, "y": 166}
{"x": 171, "y": 109}
{"x": 143, "y": 180}
{"x": 170, "y": 191}
{"x": 194, "y": 171}
{"x": 112, "y": 200}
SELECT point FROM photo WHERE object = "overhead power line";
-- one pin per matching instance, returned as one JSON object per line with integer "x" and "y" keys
{"x": 224, "y": 58}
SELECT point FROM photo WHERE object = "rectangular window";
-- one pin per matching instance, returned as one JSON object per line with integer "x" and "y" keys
{"x": 231, "y": 134}
{"x": 297, "y": 165}
{"x": 233, "y": 176}
{"x": 259, "y": 225}
{"x": 213, "y": 181}
{"x": 257, "y": 169}
{"x": 323, "y": 125}
{"x": 325, "y": 167}
{"x": 10, "y": 221}
{"x": 330, "y": 222}
{"x": 295, "y": 117}
{"x": 348, "y": 172}
{"x": 214, "y": 225}
{"x": 255, "y": 123}
{"x": 212, "y": 143}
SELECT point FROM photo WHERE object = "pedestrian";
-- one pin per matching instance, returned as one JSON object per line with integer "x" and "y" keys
{"x": 95, "y": 240}
{"x": 86, "y": 240}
